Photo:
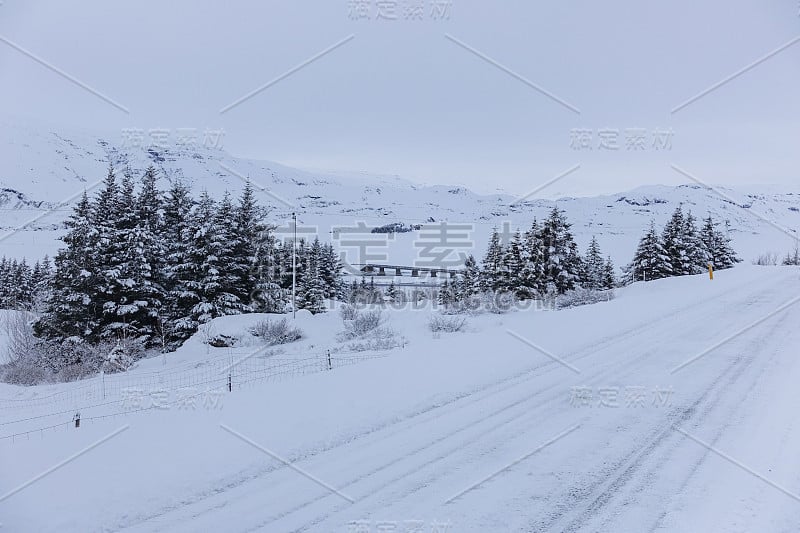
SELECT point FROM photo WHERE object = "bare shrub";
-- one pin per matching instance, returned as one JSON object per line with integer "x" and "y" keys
{"x": 117, "y": 357}
{"x": 792, "y": 258}
{"x": 362, "y": 323}
{"x": 380, "y": 338}
{"x": 767, "y": 259}
{"x": 498, "y": 302}
{"x": 348, "y": 312}
{"x": 446, "y": 324}
{"x": 274, "y": 332}
{"x": 581, "y": 296}
{"x": 23, "y": 372}
{"x": 22, "y": 344}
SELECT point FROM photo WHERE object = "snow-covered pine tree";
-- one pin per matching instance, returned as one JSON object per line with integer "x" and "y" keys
{"x": 594, "y": 267}
{"x": 469, "y": 282}
{"x": 696, "y": 256}
{"x": 512, "y": 267}
{"x": 353, "y": 292}
{"x": 609, "y": 275}
{"x": 5, "y": 283}
{"x": 208, "y": 261}
{"x": 531, "y": 276}
{"x": 269, "y": 296}
{"x": 492, "y": 271}
{"x": 251, "y": 248}
{"x": 22, "y": 285}
{"x": 123, "y": 269}
{"x": 374, "y": 294}
{"x": 446, "y": 296}
{"x": 681, "y": 244}
{"x": 331, "y": 272}
{"x": 311, "y": 292}
{"x": 175, "y": 320}
{"x": 108, "y": 238}
{"x": 650, "y": 261}
{"x": 561, "y": 257}
{"x": 227, "y": 295}
{"x": 393, "y": 294}
{"x": 727, "y": 255}
{"x": 72, "y": 309}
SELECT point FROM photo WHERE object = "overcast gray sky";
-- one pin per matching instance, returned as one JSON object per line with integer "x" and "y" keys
{"x": 497, "y": 104}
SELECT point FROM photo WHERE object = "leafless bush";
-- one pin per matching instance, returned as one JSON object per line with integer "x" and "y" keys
{"x": 273, "y": 332}
{"x": 446, "y": 324}
{"x": 24, "y": 372}
{"x": 117, "y": 357}
{"x": 583, "y": 296}
{"x": 498, "y": 302}
{"x": 33, "y": 361}
{"x": 362, "y": 323}
{"x": 380, "y": 338}
{"x": 792, "y": 258}
{"x": 21, "y": 342}
{"x": 767, "y": 259}
{"x": 348, "y": 312}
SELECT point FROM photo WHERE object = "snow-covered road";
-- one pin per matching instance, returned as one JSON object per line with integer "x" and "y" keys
{"x": 580, "y": 420}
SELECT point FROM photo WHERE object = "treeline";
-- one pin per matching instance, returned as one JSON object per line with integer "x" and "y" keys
{"x": 540, "y": 262}
{"x": 148, "y": 266}
{"x": 21, "y": 285}
{"x": 681, "y": 249}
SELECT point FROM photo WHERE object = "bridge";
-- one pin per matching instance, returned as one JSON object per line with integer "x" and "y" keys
{"x": 370, "y": 269}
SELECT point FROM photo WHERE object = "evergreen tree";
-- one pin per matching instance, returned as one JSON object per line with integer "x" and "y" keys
{"x": 446, "y": 295}
{"x": 469, "y": 282}
{"x": 651, "y": 260}
{"x": 512, "y": 267}
{"x": 125, "y": 270}
{"x": 609, "y": 277}
{"x": 492, "y": 273}
{"x": 696, "y": 255}
{"x": 681, "y": 244}
{"x": 716, "y": 246}
{"x": 210, "y": 255}
{"x": 312, "y": 295}
{"x": 393, "y": 294}
{"x": 72, "y": 309}
{"x": 176, "y": 322}
{"x": 561, "y": 259}
{"x": 595, "y": 267}
{"x": 247, "y": 252}
{"x": 531, "y": 278}
{"x": 331, "y": 272}
{"x": 353, "y": 293}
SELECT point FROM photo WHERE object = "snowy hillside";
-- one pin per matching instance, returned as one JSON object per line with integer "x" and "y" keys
{"x": 575, "y": 420}
{"x": 44, "y": 167}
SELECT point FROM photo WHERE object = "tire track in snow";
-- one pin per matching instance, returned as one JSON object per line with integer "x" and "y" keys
{"x": 625, "y": 470}
{"x": 640, "y": 358}
{"x": 443, "y": 409}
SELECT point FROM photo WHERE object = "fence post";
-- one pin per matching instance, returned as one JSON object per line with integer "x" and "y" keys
{"x": 330, "y": 365}
{"x": 230, "y": 384}
{"x": 103, "y": 383}
{"x": 77, "y": 419}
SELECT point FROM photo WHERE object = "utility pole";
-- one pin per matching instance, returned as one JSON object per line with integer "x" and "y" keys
{"x": 294, "y": 268}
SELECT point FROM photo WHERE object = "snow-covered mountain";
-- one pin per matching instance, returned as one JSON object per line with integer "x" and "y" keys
{"x": 43, "y": 169}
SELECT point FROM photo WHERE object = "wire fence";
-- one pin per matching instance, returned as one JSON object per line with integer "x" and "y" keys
{"x": 121, "y": 394}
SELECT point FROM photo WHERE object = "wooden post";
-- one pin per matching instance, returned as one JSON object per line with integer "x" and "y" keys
{"x": 330, "y": 365}
{"x": 710, "y": 271}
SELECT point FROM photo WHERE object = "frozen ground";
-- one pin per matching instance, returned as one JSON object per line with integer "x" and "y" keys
{"x": 532, "y": 421}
